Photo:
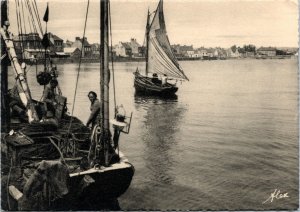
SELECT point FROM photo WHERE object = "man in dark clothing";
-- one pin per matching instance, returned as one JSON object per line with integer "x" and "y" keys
{"x": 49, "y": 97}
{"x": 155, "y": 79}
{"x": 95, "y": 109}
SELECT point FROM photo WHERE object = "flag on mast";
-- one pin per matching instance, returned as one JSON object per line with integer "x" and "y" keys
{"x": 46, "y": 16}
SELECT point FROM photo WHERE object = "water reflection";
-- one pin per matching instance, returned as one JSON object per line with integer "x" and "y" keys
{"x": 161, "y": 122}
{"x": 140, "y": 96}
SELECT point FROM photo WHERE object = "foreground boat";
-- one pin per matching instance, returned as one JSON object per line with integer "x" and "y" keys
{"x": 53, "y": 161}
{"x": 161, "y": 63}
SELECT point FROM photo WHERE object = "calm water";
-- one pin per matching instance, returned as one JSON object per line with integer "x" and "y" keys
{"x": 227, "y": 142}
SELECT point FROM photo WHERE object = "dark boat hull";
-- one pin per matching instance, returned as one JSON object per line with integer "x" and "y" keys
{"x": 143, "y": 85}
{"x": 88, "y": 190}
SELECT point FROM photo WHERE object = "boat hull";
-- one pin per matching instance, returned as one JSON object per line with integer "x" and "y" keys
{"x": 95, "y": 188}
{"x": 143, "y": 85}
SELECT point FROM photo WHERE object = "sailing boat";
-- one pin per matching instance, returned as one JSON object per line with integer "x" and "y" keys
{"x": 160, "y": 60}
{"x": 61, "y": 164}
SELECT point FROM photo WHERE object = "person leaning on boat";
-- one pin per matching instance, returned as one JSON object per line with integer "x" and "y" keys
{"x": 95, "y": 109}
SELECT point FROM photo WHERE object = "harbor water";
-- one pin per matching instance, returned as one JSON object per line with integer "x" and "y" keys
{"x": 227, "y": 141}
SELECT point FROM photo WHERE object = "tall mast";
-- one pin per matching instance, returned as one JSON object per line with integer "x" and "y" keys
{"x": 104, "y": 79}
{"x": 46, "y": 18}
{"x": 147, "y": 40}
{"x": 5, "y": 114}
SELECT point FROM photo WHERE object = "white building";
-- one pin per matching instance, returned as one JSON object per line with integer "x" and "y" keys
{"x": 123, "y": 49}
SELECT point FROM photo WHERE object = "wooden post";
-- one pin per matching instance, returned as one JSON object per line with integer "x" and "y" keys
{"x": 104, "y": 81}
{"x": 147, "y": 41}
{"x": 5, "y": 111}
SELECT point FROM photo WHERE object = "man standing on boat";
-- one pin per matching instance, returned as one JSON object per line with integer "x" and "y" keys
{"x": 164, "y": 80}
{"x": 95, "y": 109}
{"x": 49, "y": 97}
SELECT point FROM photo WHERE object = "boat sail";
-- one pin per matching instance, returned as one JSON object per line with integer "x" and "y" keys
{"x": 160, "y": 59}
{"x": 60, "y": 165}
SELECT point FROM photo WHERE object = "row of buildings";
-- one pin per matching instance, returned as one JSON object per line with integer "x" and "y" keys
{"x": 133, "y": 49}
{"x": 30, "y": 46}
{"x": 232, "y": 52}
{"x": 33, "y": 48}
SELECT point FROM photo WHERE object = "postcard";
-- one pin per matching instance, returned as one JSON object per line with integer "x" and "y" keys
{"x": 141, "y": 105}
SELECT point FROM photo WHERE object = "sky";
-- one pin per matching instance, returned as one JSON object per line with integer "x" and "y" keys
{"x": 208, "y": 23}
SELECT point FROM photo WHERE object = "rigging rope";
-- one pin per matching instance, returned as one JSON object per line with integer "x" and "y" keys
{"x": 41, "y": 48}
{"x": 21, "y": 12}
{"x": 144, "y": 48}
{"x": 21, "y": 41}
{"x": 112, "y": 59}
{"x": 22, "y": 34}
{"x": 29, "y": 22}
{"x": 17, "y": 19}
{"x": 32, "y": 25}
{"x": 82, "y": 47}
{"x": 32, "y": 17}
{"x": 23, "y": 17}
{"x": 145, "y": 37}
{"x": 37, "y": 16}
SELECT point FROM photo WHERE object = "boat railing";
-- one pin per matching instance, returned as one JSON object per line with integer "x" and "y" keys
{"x": 122, "y": 125}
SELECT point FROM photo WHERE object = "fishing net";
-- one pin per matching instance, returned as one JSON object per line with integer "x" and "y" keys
{"x": 47, "y": 184}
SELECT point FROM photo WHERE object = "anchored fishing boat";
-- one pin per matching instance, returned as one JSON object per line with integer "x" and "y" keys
{"x": 50, "y": 159}
{"x": 161, "y": 63}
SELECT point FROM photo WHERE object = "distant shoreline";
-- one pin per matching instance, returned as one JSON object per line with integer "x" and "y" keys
{"x": 124, "y": 59}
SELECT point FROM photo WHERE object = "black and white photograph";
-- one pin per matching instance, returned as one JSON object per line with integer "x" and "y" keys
{"x": 149, "y": 105}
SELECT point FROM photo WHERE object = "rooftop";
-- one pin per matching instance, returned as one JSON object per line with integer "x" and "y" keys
{"x": 70, "y": 49}
{"x": 126, "y": 45}
{"x": 55, "y": 37}
{"x": 266, "y": 49}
